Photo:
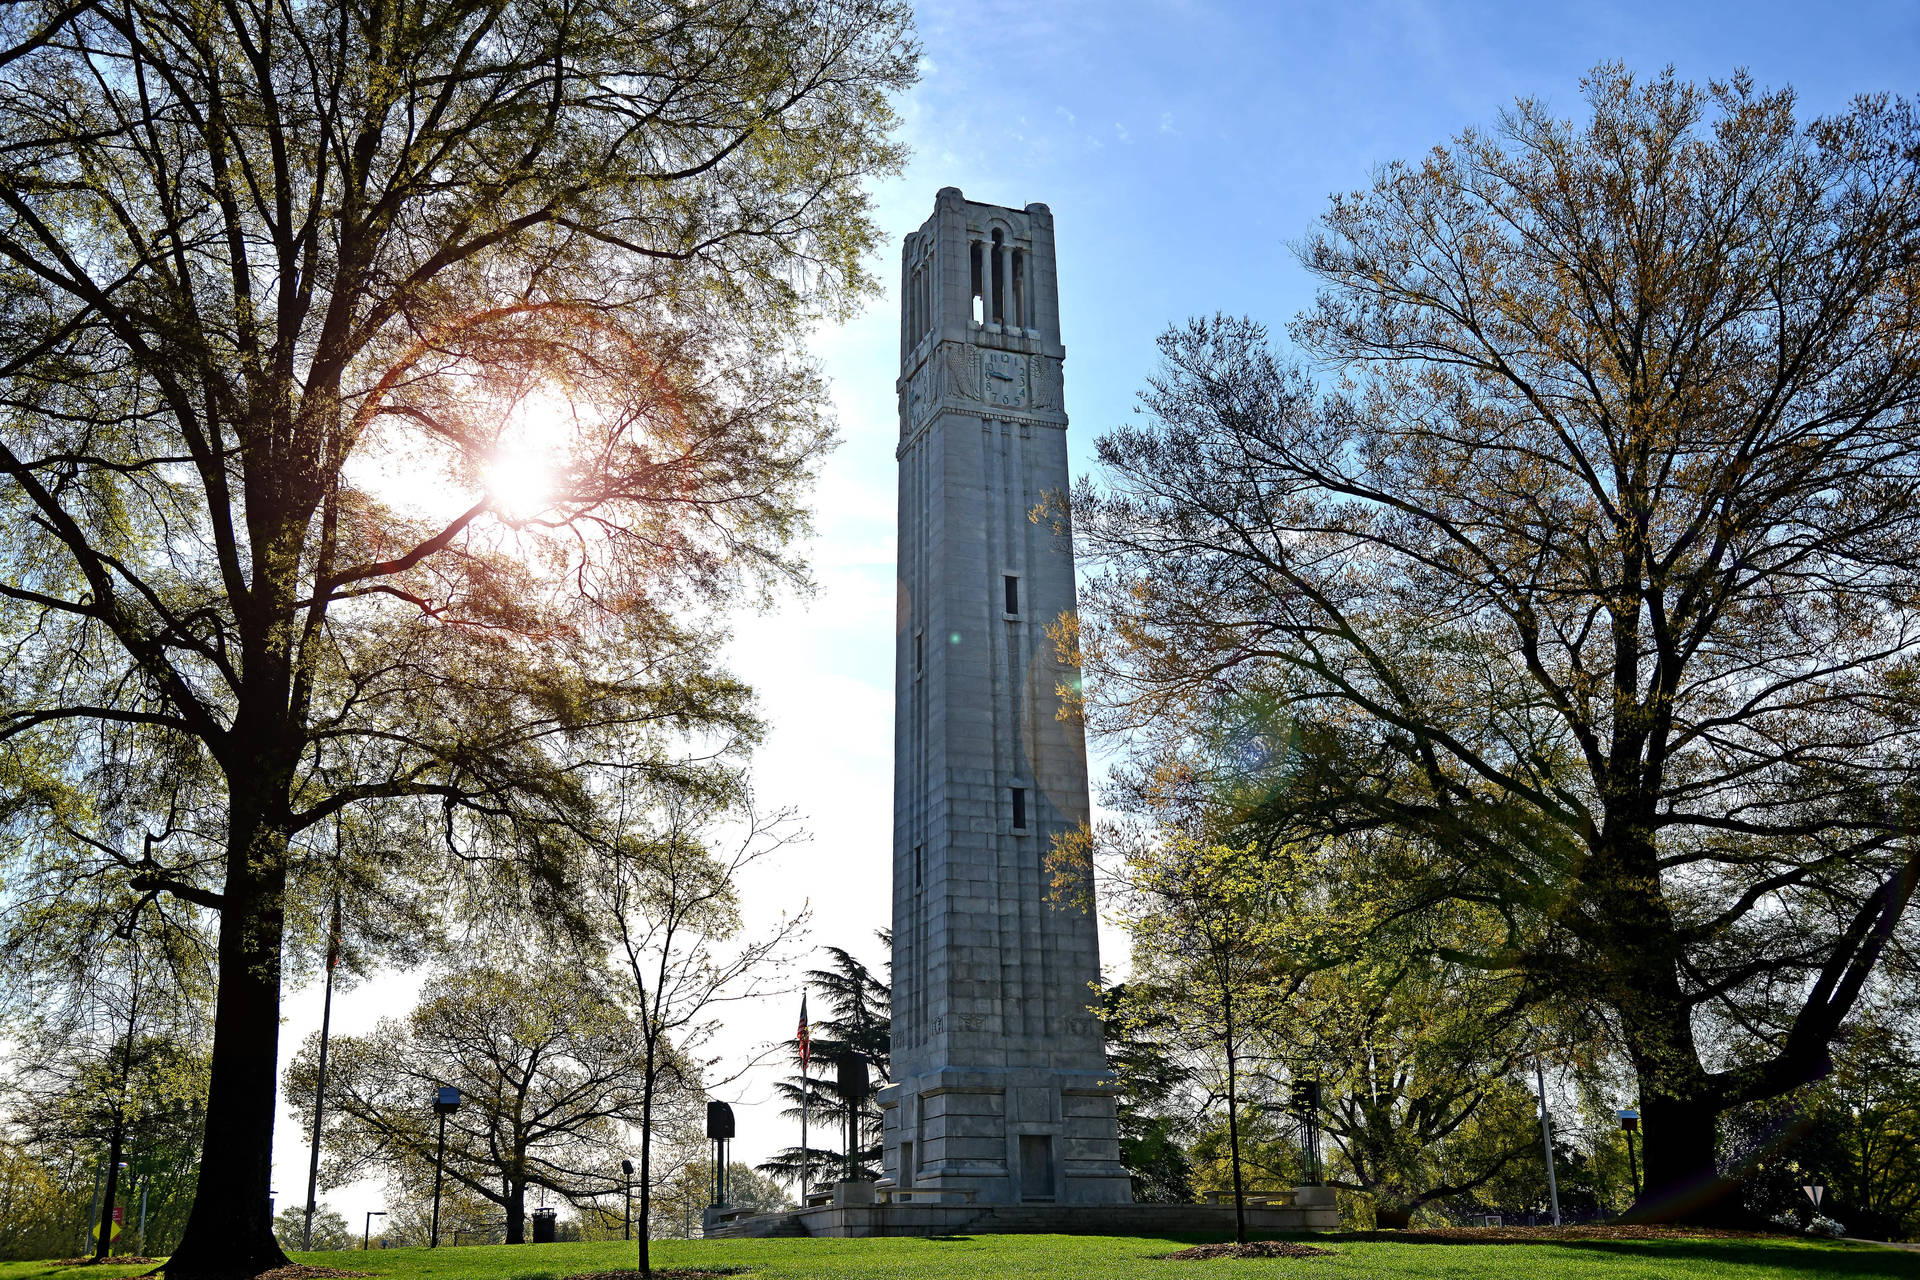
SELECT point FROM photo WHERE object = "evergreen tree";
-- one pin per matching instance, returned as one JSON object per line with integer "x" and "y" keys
{"x": 858, "y": 1004}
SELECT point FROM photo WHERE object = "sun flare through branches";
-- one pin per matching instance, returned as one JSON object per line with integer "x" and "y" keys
{"x": 522, "y": 472}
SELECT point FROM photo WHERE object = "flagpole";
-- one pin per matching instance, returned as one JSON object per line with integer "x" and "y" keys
{"x": 805, "y": 1038}
{"x": 320, "y": 1081}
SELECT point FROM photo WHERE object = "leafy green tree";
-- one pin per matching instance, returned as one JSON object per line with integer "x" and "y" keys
{"x": 330, "y": 1230}
{"x": 383, "y": 386}
{"x": 1269, "y": 1145}
{"x": 683, "y": 1199}
{"x": 1154, "y": 1105}
{"x": 859, "y": 1008}
{"x": 1591, "y": 575}
{"x": 1874, "y": 1098}
{"x": 550, "y": 1071}
{"x": 1853, "y": 1134}
{"x": 464, "y": 1215}
{"x": 1421, "y": 1060}
{"x": 112, "y": 1064}
{"x": 36, "y": 1211}
{"x": 1205, "y": 921}
{"x": 668, "y": 896}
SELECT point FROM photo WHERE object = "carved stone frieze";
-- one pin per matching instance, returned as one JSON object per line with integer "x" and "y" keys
{"x": 1047, "y": 384}
{"x": 962, "y": 362}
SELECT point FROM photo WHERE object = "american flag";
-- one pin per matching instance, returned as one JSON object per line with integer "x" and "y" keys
{"x": 804, "y": 1036}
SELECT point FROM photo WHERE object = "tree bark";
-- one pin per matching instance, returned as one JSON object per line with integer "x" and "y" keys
{"x": 229, "y": 1233}
{"x": 117, "y": 1145}
{"x": 1681, "y": 1181}
{"x": 643, "y": 1229}
{"x": 516, "y": 1207}
{"x": 104, "y": 1245}
{"x": 1233, "y": 1122}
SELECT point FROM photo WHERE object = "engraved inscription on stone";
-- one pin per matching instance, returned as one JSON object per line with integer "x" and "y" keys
{"x": 920, "y": 394}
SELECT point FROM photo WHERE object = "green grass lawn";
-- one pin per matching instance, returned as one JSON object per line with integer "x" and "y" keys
{"x": 1087, "y": 1257}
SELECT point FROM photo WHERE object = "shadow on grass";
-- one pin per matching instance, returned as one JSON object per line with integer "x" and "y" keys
{"x": 1859, "y": 1260}
{"x": 1849, "y": 1259}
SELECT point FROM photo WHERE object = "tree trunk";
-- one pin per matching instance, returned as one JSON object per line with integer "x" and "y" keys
{"x": 115, "y": 1145}
{"x": 229, "y": 1233}
{"x": 1233, "y": 1127}
{"x": 1679, "y": 1112}
{"x": 516, "y": 1213}
{"x": 643, "y": 1229}
{"x": 1679, "y": 1109}
{"x": 1681, "y": 1181}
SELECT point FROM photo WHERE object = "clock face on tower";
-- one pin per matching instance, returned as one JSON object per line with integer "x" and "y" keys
{"x": 1006, "y": 379}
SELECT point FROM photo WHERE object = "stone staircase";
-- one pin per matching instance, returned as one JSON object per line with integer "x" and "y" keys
{"x": 763, "y": 1226}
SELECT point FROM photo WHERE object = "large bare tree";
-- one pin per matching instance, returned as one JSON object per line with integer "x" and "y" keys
{"x": 550, "y": 1068}
{"x": 1593, "y": 573}
{"x": 380, "y": 386}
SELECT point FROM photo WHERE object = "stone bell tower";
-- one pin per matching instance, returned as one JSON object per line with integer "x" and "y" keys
{"x": 1000, "y": 1084}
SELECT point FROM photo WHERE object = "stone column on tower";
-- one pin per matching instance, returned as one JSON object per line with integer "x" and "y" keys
{"x": 1000, "y": 1087}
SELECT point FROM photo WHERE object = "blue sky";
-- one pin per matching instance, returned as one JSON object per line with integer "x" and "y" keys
{"x": 1182, "y": 147}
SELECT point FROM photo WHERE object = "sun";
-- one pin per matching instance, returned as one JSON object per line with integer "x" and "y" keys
{"x": 521, "y": 471}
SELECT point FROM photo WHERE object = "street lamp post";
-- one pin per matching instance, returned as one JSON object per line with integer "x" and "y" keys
{"x": 445, "y": 1102}
{"x": 626, "y": 1170}
{"x": 366, "y": 1237}
{"x": 1630, "y": 1124}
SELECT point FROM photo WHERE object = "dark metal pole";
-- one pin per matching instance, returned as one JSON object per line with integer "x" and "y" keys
{"x": 1546, "y": 1137}
{"x": 366, "y": 1237}
{"x": 626, "y": 1174}
{"x": 320, "y": 1084}
{"x": 93, "y": 1213}
{"x": 1633, "y": 1165}
{"x": 439, "y": 1162}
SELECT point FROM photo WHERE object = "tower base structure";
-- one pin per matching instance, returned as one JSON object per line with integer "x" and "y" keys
{"x": 1005, "y": 1136}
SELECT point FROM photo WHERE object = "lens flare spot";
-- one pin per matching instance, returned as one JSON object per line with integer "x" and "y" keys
{"x": 521, "y": 470}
